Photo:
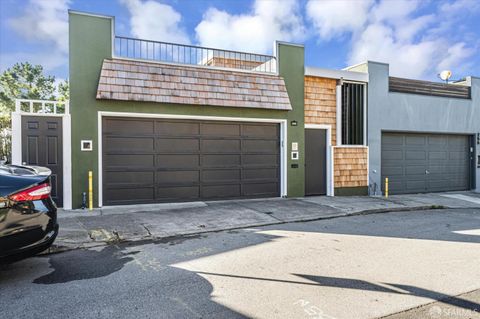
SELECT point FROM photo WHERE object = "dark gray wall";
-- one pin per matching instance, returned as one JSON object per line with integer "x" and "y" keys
{"x": 415, "y": 113}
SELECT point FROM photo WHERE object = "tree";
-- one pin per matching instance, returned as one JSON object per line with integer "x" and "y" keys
{"x": 23, "y": 81}
{"x": 63, "y": 91}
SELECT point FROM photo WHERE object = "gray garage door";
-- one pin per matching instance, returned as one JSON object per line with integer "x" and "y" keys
{"x": 416, "y": 163}
{"x": 157, "y": 160}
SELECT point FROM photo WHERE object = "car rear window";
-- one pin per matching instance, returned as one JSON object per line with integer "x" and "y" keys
{"x": 13, "y": 170}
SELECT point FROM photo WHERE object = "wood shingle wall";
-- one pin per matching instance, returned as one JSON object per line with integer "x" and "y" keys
{"x": 350, "y": 163}
{"x": 350, "y": 167}
{"x": 320, "y": 102}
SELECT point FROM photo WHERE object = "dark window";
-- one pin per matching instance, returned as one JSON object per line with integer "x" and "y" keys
{"x": 352, "y": 113}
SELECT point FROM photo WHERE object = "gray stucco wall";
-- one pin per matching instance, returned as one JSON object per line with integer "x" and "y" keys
{"x": 416, "y": 113}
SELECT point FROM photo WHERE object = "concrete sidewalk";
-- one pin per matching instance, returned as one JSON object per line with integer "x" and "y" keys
{"x": 83, "y": 229}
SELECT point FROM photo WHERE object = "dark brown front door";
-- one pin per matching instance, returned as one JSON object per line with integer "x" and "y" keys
{"x": 157, "y": 160}
{"x": 42, "y": 146}
{"x": 315, "y": 162}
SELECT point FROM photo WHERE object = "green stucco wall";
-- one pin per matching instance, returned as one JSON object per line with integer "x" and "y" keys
{"x": 292, "y": 67}
{"x": 91, "y": 42}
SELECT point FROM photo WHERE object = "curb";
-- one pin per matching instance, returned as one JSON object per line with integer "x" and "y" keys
{"x": 55, "y": 249}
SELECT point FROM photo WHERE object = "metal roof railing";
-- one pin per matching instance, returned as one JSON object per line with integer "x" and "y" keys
{"x": 132, "y": 48}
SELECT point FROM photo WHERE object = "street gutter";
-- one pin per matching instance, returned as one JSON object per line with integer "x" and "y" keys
{"x": 114, "y": 238}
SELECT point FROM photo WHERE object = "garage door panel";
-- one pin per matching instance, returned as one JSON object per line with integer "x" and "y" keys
{"x": 260, "y": 146}
{"x": 438, "y": 141}
{"x": 188, "y": 160}
{"x": 177, "y": 177}
{"x": 460, "y": 170}
{"x": 127, "y": 195}
{"x": 416, "y": 185}
{"x": 437, "y": 155}
{"x": 392, "y": 154}
{"x": 430, "y": 162}
{"x": 221, "y": 191}
{"x": 256, "y": 189}
{"x": 415, "y": 170}
{"x": 260, "y": 160}
{"x": 260, "y": 174}
{"x": 129, "y": 144}
{"x": 164, "y": 128}
{"x": 221, "y": 175}
{"x": 221, "y": 160}
{"x": 415, "y": 155}
{"x": 396, "y": 186}
{"x": 177, "y": 145}
{"x": 392, "y": 140}
{"x": 220, "y": 129}
{"x": 127, "y": 178}
{"x": 130, "y": 160}
{"x": 117, "y": 126}
{"x": 452, "y": 184}
{"x": 178, "y": 193}
{"x": 178, "y": 161}
{"x": 393, "y": 170}
{"x": 262, "y": 131}
{"x": 458, "y": 142}
{"x": 415, "y": 140}
{"x": 443, "y": 169}
{"x": 220, "y": 146}
{"x": 457, "y": 155}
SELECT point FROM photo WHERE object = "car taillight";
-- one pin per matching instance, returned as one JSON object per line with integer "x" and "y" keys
{"x": 41, "y": 191}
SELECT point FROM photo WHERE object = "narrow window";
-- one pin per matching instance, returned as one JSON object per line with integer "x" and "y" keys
{"x": 353, "y": 105}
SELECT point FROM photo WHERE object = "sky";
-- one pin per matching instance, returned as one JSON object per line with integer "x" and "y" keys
{"x": 418, "y": 38}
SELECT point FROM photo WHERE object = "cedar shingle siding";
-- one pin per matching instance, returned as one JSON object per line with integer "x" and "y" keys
{"x": 350, "y": 163}
{"x": 350, "y": 166}
{"x": 165, "y": 83}
{"x": 320, "y": 102}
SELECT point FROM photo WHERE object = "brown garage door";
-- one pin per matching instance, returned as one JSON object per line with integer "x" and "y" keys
{"x": 158, "y": 160}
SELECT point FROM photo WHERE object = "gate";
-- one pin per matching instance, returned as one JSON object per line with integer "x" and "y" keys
{"x": 39, "y": 129}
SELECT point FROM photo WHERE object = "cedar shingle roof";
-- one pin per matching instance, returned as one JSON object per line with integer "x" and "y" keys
{"x": 165, "y": 83}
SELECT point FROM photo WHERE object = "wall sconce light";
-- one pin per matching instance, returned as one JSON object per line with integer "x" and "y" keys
{"x": 293, "y": 123}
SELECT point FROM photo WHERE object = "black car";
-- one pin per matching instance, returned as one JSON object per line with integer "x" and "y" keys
{"x": 28, "y": 215}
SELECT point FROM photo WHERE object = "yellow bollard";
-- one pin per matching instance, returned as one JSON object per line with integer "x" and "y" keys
{"x": 386, "y": 186}
{"x": 90, "y": 190}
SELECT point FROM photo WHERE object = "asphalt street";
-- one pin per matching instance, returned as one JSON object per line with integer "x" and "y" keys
{"x": 350, "y": 267}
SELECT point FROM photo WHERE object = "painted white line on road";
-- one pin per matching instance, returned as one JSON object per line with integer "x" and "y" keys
{"x": 463, "y": 197}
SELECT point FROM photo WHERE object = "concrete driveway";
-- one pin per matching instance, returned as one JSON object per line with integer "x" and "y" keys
{"x": 350, "y": 267}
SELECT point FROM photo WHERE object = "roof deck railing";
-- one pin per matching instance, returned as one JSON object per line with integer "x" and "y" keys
{"x": 451, "y": 90}
{"x": 139, "y": 49}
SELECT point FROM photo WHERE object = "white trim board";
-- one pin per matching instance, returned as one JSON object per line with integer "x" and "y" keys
{"x": 328, "y": 128}
{"x": 283, "y": 139}
{"x": 66, "y": 147}
{"x": 337, "y": 74}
